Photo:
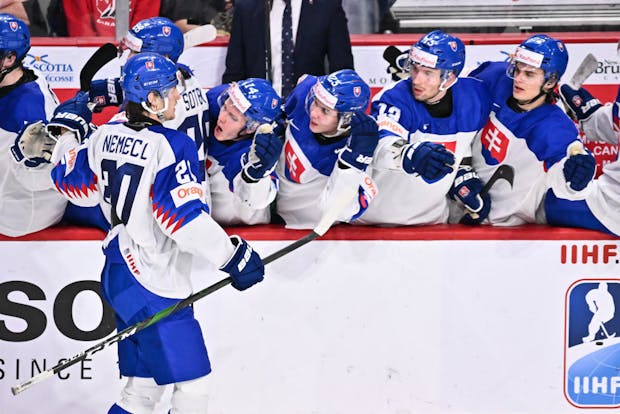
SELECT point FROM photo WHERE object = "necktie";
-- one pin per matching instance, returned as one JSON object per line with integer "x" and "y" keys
{"x": 288, "y": 69}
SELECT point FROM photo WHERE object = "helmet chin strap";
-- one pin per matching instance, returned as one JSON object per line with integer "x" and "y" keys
{"x": 159, "y": 114}
{"x": 6, "y": 71}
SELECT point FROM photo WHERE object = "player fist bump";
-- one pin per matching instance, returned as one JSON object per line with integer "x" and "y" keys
{"x": 430, "y": 160}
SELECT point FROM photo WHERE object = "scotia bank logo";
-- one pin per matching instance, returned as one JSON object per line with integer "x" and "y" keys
{"x": 591, "y": 347}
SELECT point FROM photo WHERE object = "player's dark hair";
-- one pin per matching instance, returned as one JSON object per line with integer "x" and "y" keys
{"x": 134, "y": 111}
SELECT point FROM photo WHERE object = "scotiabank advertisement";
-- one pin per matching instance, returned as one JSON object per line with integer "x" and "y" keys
{"x": 418, "y": 320}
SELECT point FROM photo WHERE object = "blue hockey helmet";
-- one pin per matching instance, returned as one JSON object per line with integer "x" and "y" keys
{"x": 542, "y": 51}
{"x": 145, "y": 73}
{"x": 344, "y": 90}
{"x": 439, "y": 50}
{"x": 14, "y": 36}
{"x": 156, "y": 34}
{"x": 256, "y": 99}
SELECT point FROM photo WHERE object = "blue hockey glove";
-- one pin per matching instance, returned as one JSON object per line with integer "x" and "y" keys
{"x": 74, "y": 115}
{"x": 105, "y": 92}
{"x": 579, "y": 170}
{"x": 432, "y": 161}
{"x": 580, "y": 103}
{"x": 245, "y": 267}
{"x": 264, "y": 153}
{"x": 466, "y": 188}
{"x": 362, "y": 143}
{"x": 33, "y": 144}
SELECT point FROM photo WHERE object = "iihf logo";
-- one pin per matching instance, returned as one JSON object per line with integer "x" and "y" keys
{"x": 591, "y": 348}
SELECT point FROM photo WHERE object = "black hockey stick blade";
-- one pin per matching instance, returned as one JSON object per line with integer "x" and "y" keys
{"x": 99, "y": 59}
{"x": 328, "y": 219}
{"x": 503, "y": 172}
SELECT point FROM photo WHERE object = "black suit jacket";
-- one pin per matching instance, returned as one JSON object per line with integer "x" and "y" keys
{"x": 322, "y": 33}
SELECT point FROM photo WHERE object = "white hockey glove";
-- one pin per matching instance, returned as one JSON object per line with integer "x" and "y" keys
{"x": 33, "y": 143}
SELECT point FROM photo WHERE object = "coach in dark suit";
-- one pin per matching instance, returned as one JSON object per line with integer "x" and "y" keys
{"x": 321, "y": 33}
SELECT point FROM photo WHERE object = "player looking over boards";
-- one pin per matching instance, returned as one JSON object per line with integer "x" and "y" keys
{"x": 427, "y": 123}
{"x": 28, "y": 200}
{"x": 329, "y": 143}
{"x": 144, "y": 177}
{"x": 161, "y": 35}
{"x": 243, "y": 150}
{"x": 601, "y": 206}
{"x": 529, "y": 134}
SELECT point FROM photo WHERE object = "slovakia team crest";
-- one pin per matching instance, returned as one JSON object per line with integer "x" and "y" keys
{"x": 592, "y": 344}
{"x": 494, "y": 144}
{"x": 166, "y": 30}
{"x": 14, "y": 26}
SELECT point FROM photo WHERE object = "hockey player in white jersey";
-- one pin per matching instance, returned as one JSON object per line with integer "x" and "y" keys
{"x": 144, "y": 177}
{"x": 28, "y": 200}
{"x": 161, "y": 35}
{"x": 328, "y": 146}
{"x": 427, "y": 123}
{"x": 601, "y": 208}
{"x": 529, "y": 134}
{"x": 243, "y": 148}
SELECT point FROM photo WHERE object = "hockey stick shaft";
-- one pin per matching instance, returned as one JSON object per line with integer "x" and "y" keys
{"x": 99, "y": 59}
{"x": 199, "y": 35}
{"x": 323, "y": 226}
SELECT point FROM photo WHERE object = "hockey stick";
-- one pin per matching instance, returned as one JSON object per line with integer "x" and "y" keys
{"x": 99, "y": 59}
{"x": 586, "y": 68}
{"x": 322, "y": 227}
{"x": 199, "y": 35}
{"x": 503, "y": 172}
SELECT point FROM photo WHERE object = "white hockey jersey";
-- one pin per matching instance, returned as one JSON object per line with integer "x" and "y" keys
{"x": 533, "y": 143}
{"x": 406, "y": 199}
{"x": 234, "y": 201}
{"x": 28, "y": 200}
{"x": 310, "y": 179}
{"x": 146, "y": 184}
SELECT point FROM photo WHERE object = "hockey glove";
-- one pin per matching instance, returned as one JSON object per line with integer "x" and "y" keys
{"x": 432, "y": 161}
{"x": 263, "y": 155}
{"x": 105, "y": 92}
{"x": 361, "y": 144}
{"x": 580, "y": 103}
{"x": 466, "y": 189}
{"x": 74, "y": 115}
{"x": 579, "y": 169}
{"x": 245, "y": 267}
{"x": 33, "y": 144}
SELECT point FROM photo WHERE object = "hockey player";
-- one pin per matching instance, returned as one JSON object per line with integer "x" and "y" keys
{"x": 161, "y": 35}
{"x": 28, "y": 201}
{"x": 599, "y": 210}
{"x": 144, "y": 177}
{"x": 529, "y": 134}
{"x": 427, "y": 123}
{"x": 329, "y": 143}
{"x": 242, "y": 156}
